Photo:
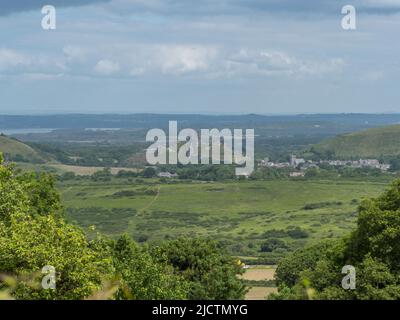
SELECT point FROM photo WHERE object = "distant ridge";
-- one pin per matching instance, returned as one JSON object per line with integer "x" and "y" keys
{"x": 16, "y": 150}
{"x": 371, "y": 143}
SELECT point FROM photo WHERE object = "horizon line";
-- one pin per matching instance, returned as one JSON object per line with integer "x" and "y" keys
{"x": 195, "y": 114}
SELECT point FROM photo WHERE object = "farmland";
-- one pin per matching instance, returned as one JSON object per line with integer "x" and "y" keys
{"x": 251, "y": 218}
{"x": 260, "y": 280}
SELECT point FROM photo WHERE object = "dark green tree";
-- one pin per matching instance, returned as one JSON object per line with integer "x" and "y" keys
{"x": 210, "y": 271}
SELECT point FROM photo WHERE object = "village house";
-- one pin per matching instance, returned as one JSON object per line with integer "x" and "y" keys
{"x": 297, "y": 174}
{"x": 306, "y": 164}
{"x": 168, "y": 175}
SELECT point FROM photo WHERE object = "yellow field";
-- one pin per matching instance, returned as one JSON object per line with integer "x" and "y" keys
{"x": 85, "y": 171}
{"x": 260, "y": 293}
{"x": 259, "y": 273}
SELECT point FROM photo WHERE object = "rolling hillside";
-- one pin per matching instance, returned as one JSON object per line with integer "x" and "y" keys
{"x": 371, "y": 143}
{"x": 15, "y": 150}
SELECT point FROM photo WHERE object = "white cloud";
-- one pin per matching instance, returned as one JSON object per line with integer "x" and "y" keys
{"x": 41, "y": 76}
{"x": 137, "y": 72}
{"x": 383, "y": 3}
{"x": 183, "y": 59}
{"x": 268, "y": 63}
{"x": 107, "y": 67}
{"x": 372, "y": 75}
{"x": 177, "y": 60}
{"x": 10, "y": 59}
{"x": 75, "y": 53}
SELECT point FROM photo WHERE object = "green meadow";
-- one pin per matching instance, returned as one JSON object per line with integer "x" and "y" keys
{"x": 251, "y": 218}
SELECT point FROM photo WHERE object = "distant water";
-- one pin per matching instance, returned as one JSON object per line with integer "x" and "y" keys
{"x": 102, "y": 129}
{"x": 10, "y": 132}
{"x": 26, "y": 131}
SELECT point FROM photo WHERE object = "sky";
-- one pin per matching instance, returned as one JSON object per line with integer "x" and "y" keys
{"x": 199, "y": 56}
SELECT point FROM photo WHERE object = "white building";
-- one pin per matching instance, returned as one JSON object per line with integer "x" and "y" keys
{"x": 295, "y": 162}
{"x": 297, "y": 174}
{"x": 168, "y": 175}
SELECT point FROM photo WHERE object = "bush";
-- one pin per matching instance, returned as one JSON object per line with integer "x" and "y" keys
{"x": 143, "y": 276}
{"x": 297, "y": 233}
{"x": 209, "y": 270}
{"x": 273, "y": 244}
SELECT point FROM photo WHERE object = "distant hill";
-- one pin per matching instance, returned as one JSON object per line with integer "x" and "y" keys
{"x": 15, "y": 150}
{"x": 382, "y": 142}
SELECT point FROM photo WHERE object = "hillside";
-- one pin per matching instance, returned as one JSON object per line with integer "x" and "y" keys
{"x": 371, "y": 143}
{"x": 15, "y": 150}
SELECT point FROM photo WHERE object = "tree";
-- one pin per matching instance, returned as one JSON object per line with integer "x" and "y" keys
{"x": 43, "y": 197}
{"x": 272, "y": 244}
{"x": 149, "y": 172}
{"x": 102, "y": 175}
{"x": 378, "y": 229}
{"x": 373, "y": 248}
{"x": 289, "y": 268}
{"x": 142, "y": 276}
{"x": 210, "y": 271}
{"x": 33, "y": 236}
{"x": 30, "y": 243}
{"x": 13, "y": 196}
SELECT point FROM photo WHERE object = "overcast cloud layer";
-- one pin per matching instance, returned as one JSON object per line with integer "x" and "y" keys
{"x": 205, "y": 56}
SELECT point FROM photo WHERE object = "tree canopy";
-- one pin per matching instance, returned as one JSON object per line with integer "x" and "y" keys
{"x": 373, "y": 248}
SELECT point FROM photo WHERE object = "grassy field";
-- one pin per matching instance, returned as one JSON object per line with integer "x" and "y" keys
{"x": 242, "y": 214}
{"x": 15, "y": 148}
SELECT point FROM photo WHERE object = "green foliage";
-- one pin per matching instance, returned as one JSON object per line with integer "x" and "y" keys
{"x": 371, "y": 143}
{"x": 236, "y": 212}
{"x": 43, "y": 197}
{"x": 102, "y": 175}
{"x": 270, "y": 173}
{"x": 33, "y": 235}
{"x": 31, "y": 242}
{"x": 272, "y": 244}
{"x": 297, "y": 233}
{"x": 204, "y": 172}
{"x": 13, "y": 196}
{"x": 335, "y": 172}
{"x": 378, "y": 229}
{"x": 211, "y": 272}
{"x": 15, "y": 150}
{"x": 373, "y": 249}
{"x": 313, "y": 206}
{"x": 290, "y": 267}
{"x": 149, "y": 172}
{"x": 67, "y": 176}
{"x": 144, "y": 277}
{"x": 28, "y": 193}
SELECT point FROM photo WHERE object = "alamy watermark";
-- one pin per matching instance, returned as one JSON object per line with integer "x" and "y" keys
{"x": 49, "y": 280}
{"x": 349, "y": 21}
{"x": 349, "y": 281}
{"x": 186, "y": 147}
{"x": 49, "y": 21}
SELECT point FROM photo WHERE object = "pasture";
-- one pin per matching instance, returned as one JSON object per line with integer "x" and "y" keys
{"x": 241, "y": 214}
